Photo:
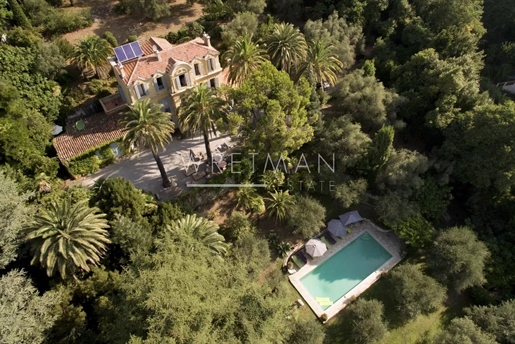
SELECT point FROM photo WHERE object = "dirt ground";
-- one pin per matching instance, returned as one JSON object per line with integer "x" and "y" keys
{"x": 122, "y": 26}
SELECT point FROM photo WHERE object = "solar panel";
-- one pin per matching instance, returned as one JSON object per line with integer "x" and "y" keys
{"x": 128, "y": 51}
{"x": 136, "y": 48}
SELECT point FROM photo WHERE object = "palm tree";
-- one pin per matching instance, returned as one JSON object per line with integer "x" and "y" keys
{"x": 243, "y": 57}
{"x": 66, "y": 236}
{"x": 286, "y": 47}
{"x": 280, "y": 203}
{"x": 199, "y": 111}
{"x": 150, "y": 127}
{"x": 91, "y": 56}
{"x": 322, "y": 63}
{"x": 249, "y": 200}
{"x": 202, "y": 230}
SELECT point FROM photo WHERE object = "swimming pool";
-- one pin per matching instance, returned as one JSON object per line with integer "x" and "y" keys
{"x": 339, "y": 274}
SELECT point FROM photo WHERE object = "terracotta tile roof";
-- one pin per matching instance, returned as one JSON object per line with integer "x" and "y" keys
{"x": 99, "y": 128}
{"x": 147, "y": 65}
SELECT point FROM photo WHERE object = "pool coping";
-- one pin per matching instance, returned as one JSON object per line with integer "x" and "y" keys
{"x": 341, "y": 303}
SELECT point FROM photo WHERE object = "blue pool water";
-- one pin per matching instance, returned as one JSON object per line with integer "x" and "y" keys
{"x": 336, "y": 276}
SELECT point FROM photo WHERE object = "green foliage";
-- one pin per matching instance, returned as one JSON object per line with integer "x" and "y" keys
{"x": 280, "y": 247}
{"x": 65, "y": 237}
{"x": 367, "y": 320}
{"x": 413, "y": 292}
{"x": 66, "y": 49}
{"x": 243, "y": 58}
{"x": 22, "y": 37}
{"x": 367, "y": 101}
{"x": 273, "y": 112}
{"x": 237, "y": 226}
{"x": 243, "y": 24}
{"x": 306, "y": 217}
{"x": 379, "y": 151}
{"x": 108, "y": 36}
{"x": 117, "y": 197}
{"x": 458, "y": 259}
{"x": 199, "y": 110}
{"x": 13, "y": 215}
{"x": 18, "y": 68}
{"x": 50, "y": 62}
{"x": 52, "y": 21}
{"x": 25, "y": 315}
{"x": 437, "y": 87}
{"x": 496, "y": 320}
{"x": 415, "y": 231}
{"x": 485, "y": 135}
{"x": 393, "y": 208}
{"x": 92, "y": 161}
{"x": 322, "y": 64}
{"x": 132, "y": 38}
{"x": 306, "y": 331}
{"x": 91, "y": 56}
{"x": 134, "y": 238}
{"x": 369, "y": 68}
{"x": 402, "y": 172}
{"x": 286, "y": 47}
{"x": 345, "y": 139}
{"x": 98, "y": 87}
{"x": 252, "y": 253}
{"x": 18, "y": 15}
{"x": 250, "y": 200}
{"x": 351, "y": 192}
{"x": 463, "y": 330}
{"x": 148, "y": 126}
{"x": 345, "y": 37}
{"x": 203, "y": 231}
{"x": 280, "y": 203}
{"x": 152, "y": 9}
{"x": 166, "y": 213}
{"x": 273, "y": 179}
{"x": 432, "y": 198}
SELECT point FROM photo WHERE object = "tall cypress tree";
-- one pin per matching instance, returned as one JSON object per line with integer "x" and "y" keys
{"x": 19, "y": 15}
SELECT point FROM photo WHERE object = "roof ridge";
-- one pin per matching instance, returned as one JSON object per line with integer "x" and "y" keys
{"x": 133, "y": 70}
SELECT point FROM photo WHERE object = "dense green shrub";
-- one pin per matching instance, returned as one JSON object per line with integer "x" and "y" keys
{"x": 367, "y": 321}
{"x": 236, "y": 226}
{"x": 414, "y": 293}
{"x": 132, "y": 38}
{"x": 91, "y": 162}
{"x": 65, "y": 47}
{"x": 84, "y": 165}
{"x": 118, "y": 197}
{"x": 99, "y": 88}
{"x": 108, "y": 36}
{"x": 165, "y": 214}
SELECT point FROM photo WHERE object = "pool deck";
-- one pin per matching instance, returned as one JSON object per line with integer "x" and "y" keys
{"x": 387, "y": 239}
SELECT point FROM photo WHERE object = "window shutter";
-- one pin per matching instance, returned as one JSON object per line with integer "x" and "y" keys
{"x": 177, "y": 83}
{"x": 201, "y": 68}
{"x": 165, "y": 82}
{"x": 156, "y": 85}
{"x": 136, "y": 88}
{"x": 217, "y": 83}
{"x": 208, "y": 84}
{"x": 145, "y": 87}
{"x": 187, "y": 76}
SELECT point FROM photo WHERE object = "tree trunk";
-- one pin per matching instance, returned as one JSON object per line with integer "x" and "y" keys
{"x": 164, "y": 176}
{"x": 208, "y": 149}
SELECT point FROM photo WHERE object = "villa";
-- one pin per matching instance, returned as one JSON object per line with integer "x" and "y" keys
{"x": 155, "y": 70}
{"x": 162, "y": 72}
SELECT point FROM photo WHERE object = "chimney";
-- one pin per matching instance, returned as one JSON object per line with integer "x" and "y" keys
{"x": 122, "y": 71}
{"x": 206, "y": 39}
{"x": 154, "y": 47}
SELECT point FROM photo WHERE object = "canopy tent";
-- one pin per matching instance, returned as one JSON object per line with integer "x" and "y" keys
{"x": 336, "y": 228}
{"x": 350, "y": 217}
{"x": 315, "y": 248}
